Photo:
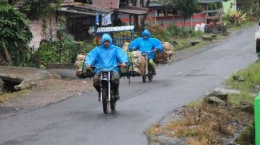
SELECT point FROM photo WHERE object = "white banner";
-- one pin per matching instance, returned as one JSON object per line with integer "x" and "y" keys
{"x": 106, "y": 19}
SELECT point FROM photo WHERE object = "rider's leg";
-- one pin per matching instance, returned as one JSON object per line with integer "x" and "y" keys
{"x": 115, "y": 83}
{"x": 151, "y": 62}
{"x": 96, "y": 82}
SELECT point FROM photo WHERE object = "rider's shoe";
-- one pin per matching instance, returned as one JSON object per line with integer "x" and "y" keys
{"x": 99, "y": 97}
{"x": 154, "y": 72}
{"x": 117, "y": 97}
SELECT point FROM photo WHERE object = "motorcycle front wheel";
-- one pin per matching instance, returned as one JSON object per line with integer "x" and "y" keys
{"x": 104, "y": 100}
{"x": 113, "y": 103}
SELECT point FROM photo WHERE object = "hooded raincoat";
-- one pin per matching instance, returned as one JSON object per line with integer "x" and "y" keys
{"x": 106, "y": 58}
{"x": 146, "y": 45}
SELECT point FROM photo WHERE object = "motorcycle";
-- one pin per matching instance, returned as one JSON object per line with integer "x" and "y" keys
{"x": 148, "y": 68}
{"x": 106, "y": 91}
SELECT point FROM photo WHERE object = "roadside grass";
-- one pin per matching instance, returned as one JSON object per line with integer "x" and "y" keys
{"x": 242, "y": 26}
{"x": 236, "y": 99}
{"x": 8, "y": 96}
{"x": 251, "y": 77}
{"x": 184, "y": 43}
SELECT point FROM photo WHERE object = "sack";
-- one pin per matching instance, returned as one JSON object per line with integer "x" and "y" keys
{"x": 80, "y": 68}
{"x": 167, "y": 56}
{"x": 137, "y": 62}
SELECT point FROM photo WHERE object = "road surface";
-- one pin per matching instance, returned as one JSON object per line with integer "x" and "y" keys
{"x": 80, "y": 121}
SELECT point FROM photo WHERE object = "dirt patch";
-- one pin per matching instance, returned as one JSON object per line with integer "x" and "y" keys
{"x": 46, "y": 92}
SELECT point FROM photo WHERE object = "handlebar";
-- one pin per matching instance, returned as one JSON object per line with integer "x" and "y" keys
{"x": 146, "y": 53}
{"x": 107, "y": 69}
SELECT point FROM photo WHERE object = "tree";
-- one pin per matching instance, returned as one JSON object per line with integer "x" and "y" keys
{"x": 35, "y": 9}
{"x": 246, "y": 5}
{"x": 186, "y": 8}
{"x": 15, "y": 32}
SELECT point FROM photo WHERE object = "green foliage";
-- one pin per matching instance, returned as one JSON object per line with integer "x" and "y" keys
{"x": 197, "y": 34}
{"x": 48, "y": 52}
{"x": 15, "y": 32}
{"x": 235, "y": 99}
{"x": 173, "y": 30}
{"x": 186, "y": 8}
{"x": 214, "y": 6}
{"x": 186, "y": 32}
{"x": 35, "y": 9}
{"x": 246, "y": 5}
{"x": 159, "y": 32}
{"x": 236, "y": 17}
{"x": 51, "y": 52}
{"x": 86, "y": 47}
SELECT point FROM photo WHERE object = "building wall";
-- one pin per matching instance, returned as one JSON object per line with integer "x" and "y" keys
{"x": 36, "y": 29}
{"x": 227, "y": 6}
{"x": 166, "y": 20}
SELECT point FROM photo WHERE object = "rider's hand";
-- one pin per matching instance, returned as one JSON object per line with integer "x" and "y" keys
{"x": 123, "y": 65}
{"x": 155, "y": 49}
{"x": 88, "y": 67}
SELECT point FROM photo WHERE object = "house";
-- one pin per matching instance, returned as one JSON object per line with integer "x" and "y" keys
{"x": 80, "y": 17}
{"x": 165, "y": 14}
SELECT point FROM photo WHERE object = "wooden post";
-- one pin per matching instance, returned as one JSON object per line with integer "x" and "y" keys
{"x": 130, "y": 19}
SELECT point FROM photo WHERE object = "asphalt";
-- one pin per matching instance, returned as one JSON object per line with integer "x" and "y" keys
{"x": 80, "y": 120}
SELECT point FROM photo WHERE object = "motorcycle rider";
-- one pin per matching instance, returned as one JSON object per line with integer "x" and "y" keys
{"x": 107, "y": 56}
{"x": 147, "y": 44}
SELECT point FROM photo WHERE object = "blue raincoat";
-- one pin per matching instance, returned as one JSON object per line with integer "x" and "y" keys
{"x": 146, "y": 45}
{"x": 106, "y": 58}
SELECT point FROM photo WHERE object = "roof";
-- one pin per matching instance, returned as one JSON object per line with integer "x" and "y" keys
{"x": 113, "y": 4}
{"x": 86, "y": 7}
{"x": 76, "y": 7}
{"x": 20, "y": 3}
{"x": 209, "y": 1}
{"x": 133, "y": 10}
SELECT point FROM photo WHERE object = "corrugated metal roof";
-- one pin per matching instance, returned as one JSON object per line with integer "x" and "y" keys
{"x": 20, "y": 3}
{"x": 133, "y": 10}
{"x": 74, "y": 11}
{"x": 209, "y": 1}
{"x": 88, "y": 7}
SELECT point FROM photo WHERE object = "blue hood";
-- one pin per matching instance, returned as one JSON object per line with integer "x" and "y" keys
{"x": 146, "y": 32}
{"x": 104, "y": 38}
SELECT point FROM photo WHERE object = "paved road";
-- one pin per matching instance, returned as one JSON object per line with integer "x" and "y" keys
{"x": 79, "y": 120}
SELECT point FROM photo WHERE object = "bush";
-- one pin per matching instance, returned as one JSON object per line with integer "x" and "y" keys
{"x": 159, "y": 32}
{"x": 237, "y": 17}
{"x": 52, "y": 52}
{"x": 86, "y": 47}
{"x": 186, "y": 32}
{"x": 197, "y": 34}
{"x": 48, "y": 52}
{"x": 173, "y": 30}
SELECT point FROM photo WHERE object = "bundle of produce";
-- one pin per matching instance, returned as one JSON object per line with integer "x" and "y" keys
{"x": 137, "y": 62}
{"x": 125, "y": 46}
{"x": 167, "y": 55}
{"x": 79, "y": 70}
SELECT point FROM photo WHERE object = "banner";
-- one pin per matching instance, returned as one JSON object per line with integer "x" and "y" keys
{"x": 106, "y": 19}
